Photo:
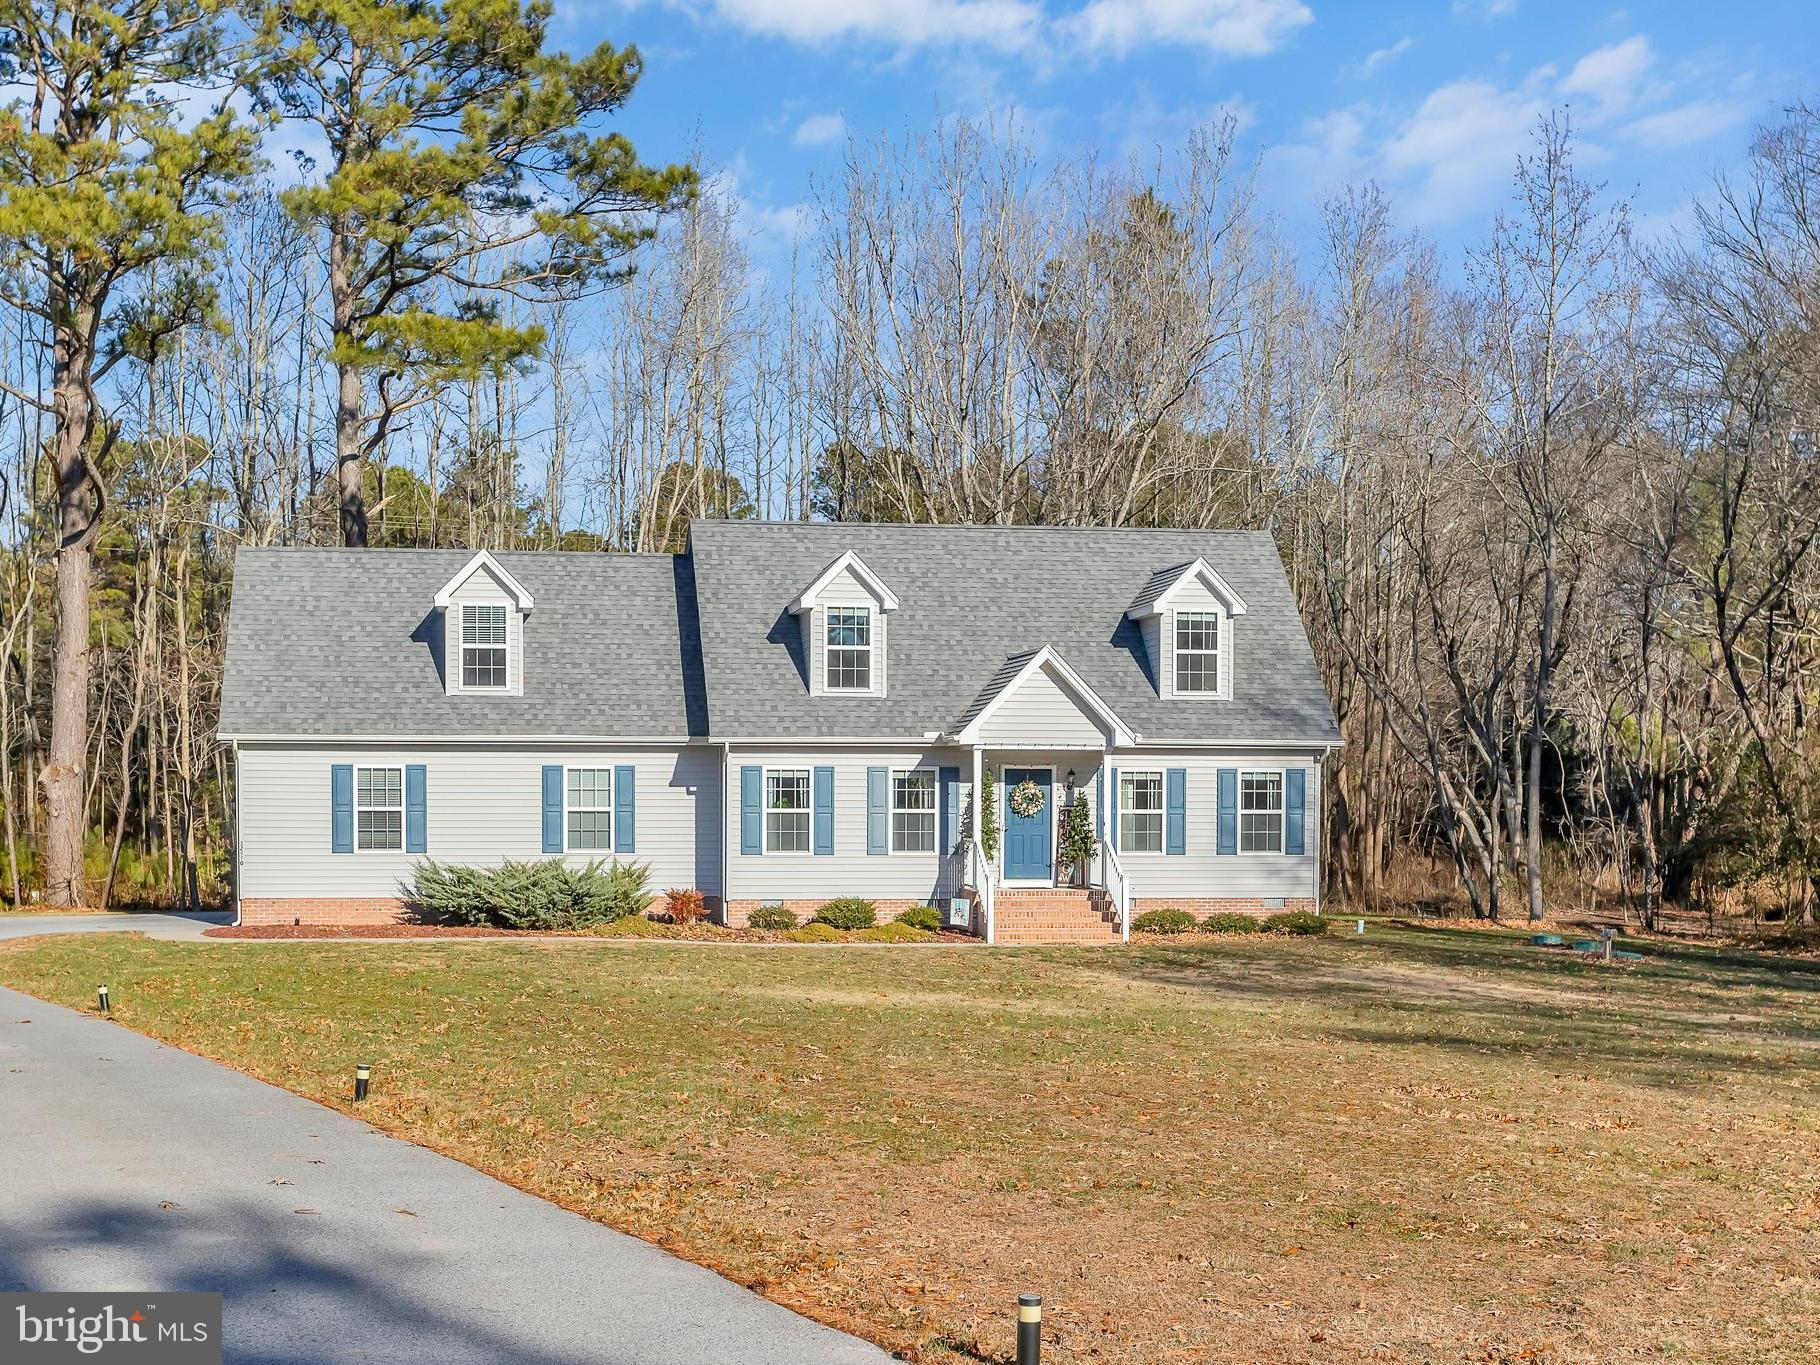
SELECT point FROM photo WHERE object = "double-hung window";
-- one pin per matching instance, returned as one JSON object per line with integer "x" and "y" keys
{"x": 1260, "y": 812}
{"x": 1140, "y": 812}
{"x": 589, "y": 810}
{"x": 849, "y": 649}
{"x": 1197, "y": 652}
{"x": 379, "y": 808}
{"x": 787, "y": 810}
{"x": 913, "y": 812}
{"x": 483, "y": 647}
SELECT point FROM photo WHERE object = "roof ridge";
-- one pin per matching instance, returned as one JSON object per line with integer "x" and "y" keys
{"x": 758, "y": 524}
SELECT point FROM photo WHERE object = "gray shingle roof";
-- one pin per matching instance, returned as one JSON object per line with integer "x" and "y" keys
{"x": 337, "y": 642}
{"x": 1159, "y": 583}
{"x": 997, "y": 683}
{"x": 974, "y": 596}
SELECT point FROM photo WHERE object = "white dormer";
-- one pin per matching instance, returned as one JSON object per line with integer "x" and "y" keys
{"x": 483, "y": 611}
{"x": 1185, "y": 613}
{"x": 843, "y": 621}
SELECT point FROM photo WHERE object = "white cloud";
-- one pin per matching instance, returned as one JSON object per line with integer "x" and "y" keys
{"x": 1376, "y": 60}
{"x": 1485, "y": 9}
{"x": 1007, "y": 24}
{"x": 1464, "y": 141}
{"x": 1611, "y": 75}
{"x": 819, "y": 129}
{"x": 1687, "y": 124}
{"x": 1231, "y": 28}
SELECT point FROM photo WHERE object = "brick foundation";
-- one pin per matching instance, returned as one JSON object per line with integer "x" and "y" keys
{"x": 324, "y": 910}
{"x": 1217, "y": 905}
{"x": 739, "y": 911}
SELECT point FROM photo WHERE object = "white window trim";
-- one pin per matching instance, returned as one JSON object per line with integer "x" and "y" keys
{"x": 1119, "y": 812}
{"x": 765, "y": 775}
{"x": 461, "y": 610}
{"x": 894, "y": 810}
{"x": 872, "y": 620}
{"x": 607, "y": 768}
{"x": 1222, "y": 690}
{"x": 400, "y": 807}
{"x": 1221, "y": 634}
{"x": 1281, "y": 812}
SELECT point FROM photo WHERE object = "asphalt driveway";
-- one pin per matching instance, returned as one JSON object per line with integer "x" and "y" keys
{"x": 175, "y": 926}
{"x": 126, "y": 1164}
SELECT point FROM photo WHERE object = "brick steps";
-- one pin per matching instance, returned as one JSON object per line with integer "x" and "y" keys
{"x": 1053, "y": 915}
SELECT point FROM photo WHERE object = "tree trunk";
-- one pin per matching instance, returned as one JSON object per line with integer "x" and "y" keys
{"x": 350, "y": 459}
{"x": 64, "y": 777}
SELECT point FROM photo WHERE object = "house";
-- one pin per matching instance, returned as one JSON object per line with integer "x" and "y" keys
{"x": 786, "y": 712}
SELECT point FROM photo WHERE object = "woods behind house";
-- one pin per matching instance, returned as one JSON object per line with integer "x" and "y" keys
{"x": 1550, "y": 503}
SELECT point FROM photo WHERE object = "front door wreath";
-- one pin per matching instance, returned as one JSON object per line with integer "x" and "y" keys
{"x": 1027, "y": 800}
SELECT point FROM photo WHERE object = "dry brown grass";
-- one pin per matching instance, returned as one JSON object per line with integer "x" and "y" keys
{"x": 1421, "y": 1146}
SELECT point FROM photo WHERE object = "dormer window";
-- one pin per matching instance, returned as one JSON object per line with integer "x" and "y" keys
{"x": 849, "y": 652}
{"x": 1197, "y": 652}
{"x": 1185, "y": 613}
{"x": 483, "y": 630}
{"x": 843, "y": 614}
{"x": 483, "y": 647}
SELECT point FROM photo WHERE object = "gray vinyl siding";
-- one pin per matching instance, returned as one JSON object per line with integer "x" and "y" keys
{"x": 1151, "y": 628}
{"x": 850, "y": 870}
{"x": 483, "y": 805}
{"x": 1202, "y": 870}
{"x": 1041, "y": 711}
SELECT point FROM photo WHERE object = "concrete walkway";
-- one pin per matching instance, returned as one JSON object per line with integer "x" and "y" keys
{"x": 130, "y": 1165}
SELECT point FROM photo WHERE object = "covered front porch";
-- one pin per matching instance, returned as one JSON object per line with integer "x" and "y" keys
{"x": 1041, "y": 745}
{"x": 1018, "y": 870}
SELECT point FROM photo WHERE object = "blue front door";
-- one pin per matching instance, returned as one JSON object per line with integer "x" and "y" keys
{"x": 1029, "y": 852}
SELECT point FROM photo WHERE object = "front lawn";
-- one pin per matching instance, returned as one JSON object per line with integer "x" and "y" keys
{"x": 1434, "y": 1145}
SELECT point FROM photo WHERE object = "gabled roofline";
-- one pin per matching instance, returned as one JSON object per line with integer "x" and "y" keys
{"x": 1046, "y": 656}
{"x": 521, "y": 596}
{"x": 1201, "y": 569}
{"x": 848, "y": 561}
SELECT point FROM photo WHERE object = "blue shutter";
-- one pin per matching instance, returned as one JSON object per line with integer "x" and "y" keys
{"x": 1229, "y": 810}
{"x": 341, "y": 807}
{"x": 878, "y": 810}
{"x": 416, "y": 810}
{"x": 1175, "y": 811}
{"x": 625, "y": 808}
{"x": 552, "y": 808}
{"x": 950, "y": 779}
{"x": 824, "y": 812}
{"x": 751, "y": 810}
{"x": 1295, "y": 801}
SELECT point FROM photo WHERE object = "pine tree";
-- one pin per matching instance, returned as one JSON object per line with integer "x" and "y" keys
{"x": 108, "y": 195}
{"x": 460, "y": 170}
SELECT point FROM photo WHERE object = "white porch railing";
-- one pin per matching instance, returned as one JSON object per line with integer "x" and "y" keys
{"x": 977, "y": 876}
{"x": 1116, "y": 884}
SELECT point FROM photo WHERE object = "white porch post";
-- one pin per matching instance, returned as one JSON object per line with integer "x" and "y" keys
{"x": 979, "y": 846}
{"x": 978, "y": 809}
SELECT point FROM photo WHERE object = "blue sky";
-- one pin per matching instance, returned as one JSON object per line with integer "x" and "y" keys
{"x": 1432, "y": 100}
